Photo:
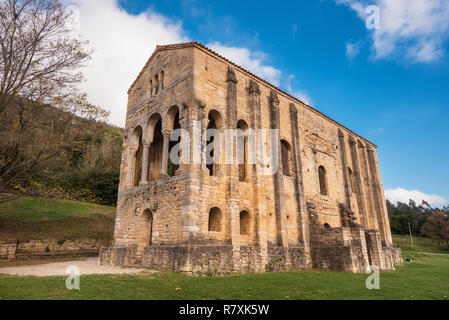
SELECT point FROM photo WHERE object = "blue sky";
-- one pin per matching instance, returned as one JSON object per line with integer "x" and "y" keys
{"x": 391, "y": 85}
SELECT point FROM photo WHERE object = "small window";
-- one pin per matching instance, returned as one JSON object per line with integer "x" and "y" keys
{"x": 215, "y": 219}
{"x": 244, "y": 223}
{"x": 286, "y": 158}
{"x": 323, "y": 181}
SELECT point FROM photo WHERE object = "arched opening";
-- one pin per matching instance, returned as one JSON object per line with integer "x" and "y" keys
{"x": 327, "y": 226}
{"x": 323, "y": 181}
{"x": 172, "y": 124}
{"x": 155, "y": 152}
{"x": 244, "y": 223}
{"x": 215, "y": 219}
{"x": 352, "y": 180}
{"x": 145, "y": 234}
{"x": 242, "y": 150}
{"x": 215, "y": 122}
{"x": 137, "y": 141}
{"x": 287, "y": 159}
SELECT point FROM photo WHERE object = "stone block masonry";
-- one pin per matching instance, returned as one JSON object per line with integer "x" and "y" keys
{"x": 323, "y": 206}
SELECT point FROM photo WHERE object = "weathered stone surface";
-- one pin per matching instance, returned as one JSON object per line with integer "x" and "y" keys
{"x": 187, "y": 218}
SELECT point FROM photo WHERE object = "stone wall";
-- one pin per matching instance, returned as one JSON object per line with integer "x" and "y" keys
{"x": 211, "y": 260}
{"x": 37, "y": 249}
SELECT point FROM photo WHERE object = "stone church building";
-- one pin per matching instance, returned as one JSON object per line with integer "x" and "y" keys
{"x": 323, "y": 208}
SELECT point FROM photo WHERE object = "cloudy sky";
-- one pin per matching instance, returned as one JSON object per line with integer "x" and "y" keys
{"x": 389, "y": 83}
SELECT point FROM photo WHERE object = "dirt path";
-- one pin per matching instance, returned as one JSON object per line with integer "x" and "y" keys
{"x": 86, "y": 266}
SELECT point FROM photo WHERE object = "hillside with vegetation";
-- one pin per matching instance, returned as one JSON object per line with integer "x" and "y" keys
{"x": 422, "y": 222}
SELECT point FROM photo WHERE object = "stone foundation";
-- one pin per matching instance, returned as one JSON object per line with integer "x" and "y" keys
{"x": 211, "y": 260}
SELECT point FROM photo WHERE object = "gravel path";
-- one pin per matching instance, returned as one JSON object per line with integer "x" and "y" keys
{"x": 87, "y": 266}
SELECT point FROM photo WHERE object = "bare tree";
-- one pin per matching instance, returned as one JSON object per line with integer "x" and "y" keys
{"x": 40, "y": 63}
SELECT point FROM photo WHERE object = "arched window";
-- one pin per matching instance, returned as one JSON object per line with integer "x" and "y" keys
{"x": 352, "y": 180}
{"x": 215, "y": 219}
{"x": 244, "y": 223}
{"x": 323, "y": 181}
{"x": 172, "y": 124}
{"x": 154, "y": 131}
{"x": 286, "y": 158}
{"x": 215, "y": 121}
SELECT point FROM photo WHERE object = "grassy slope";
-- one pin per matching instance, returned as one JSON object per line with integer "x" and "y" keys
{"x": 420, "y": 244}
{"x": 29, "y": 218}
{"x": 427, "y": 277}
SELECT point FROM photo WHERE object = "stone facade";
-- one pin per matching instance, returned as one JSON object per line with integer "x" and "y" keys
{"x": 323, "y": 207}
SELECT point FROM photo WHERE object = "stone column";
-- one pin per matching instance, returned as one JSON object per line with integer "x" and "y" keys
{"x": 278, "y": 178}
{"x": 358, "y": 187}
{"x": 344, "y": 164}
{"x": 161, "y": 81}
{"x": 145, "y": 158}
{"x": 166, "y": 134}
{"x": 302, "y": 216}
{"x": 131, "y": 165}
{"x": 378, "y": 205}
{"x": 232, "y": 192}
{"x": 383, "y": 204}
{"x": 372, "y": 219}
{"x": 257, "y": 175}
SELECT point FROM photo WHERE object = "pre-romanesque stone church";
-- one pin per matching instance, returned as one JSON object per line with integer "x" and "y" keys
{"x": 323, "y": 207}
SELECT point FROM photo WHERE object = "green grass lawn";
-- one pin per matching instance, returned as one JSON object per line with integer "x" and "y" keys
{"x": 420, "y": 244}
{"x": 427, "y": 277}
{"x": 28, "y": 218}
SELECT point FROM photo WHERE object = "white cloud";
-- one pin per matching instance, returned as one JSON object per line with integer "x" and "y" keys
{"x": 122, "y": 43}
{"x": 403, "y": 195}
{"x": 414, "y": 29}
{"x": 352, "y": 49}
{"x": 301, "y": 95}
{"x": 253, "y": 61}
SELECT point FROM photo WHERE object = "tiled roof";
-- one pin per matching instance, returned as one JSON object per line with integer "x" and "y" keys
{"x": 204, "y": 48}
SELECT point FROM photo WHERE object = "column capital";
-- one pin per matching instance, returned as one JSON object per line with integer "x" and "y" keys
{"x": 360, "y": 144}
{"x": 166, "y": 133}
{"x": 274, "y": 100}
{"x": 253, "y": 87}
{"x": 340, "y": 133}
{"x": 231, "y": 75}
{"x": 351, "y": 140}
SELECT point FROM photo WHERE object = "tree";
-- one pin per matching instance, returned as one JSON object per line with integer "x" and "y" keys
{"x": 437, "y": 227}
{"x": 40, "y": 62}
